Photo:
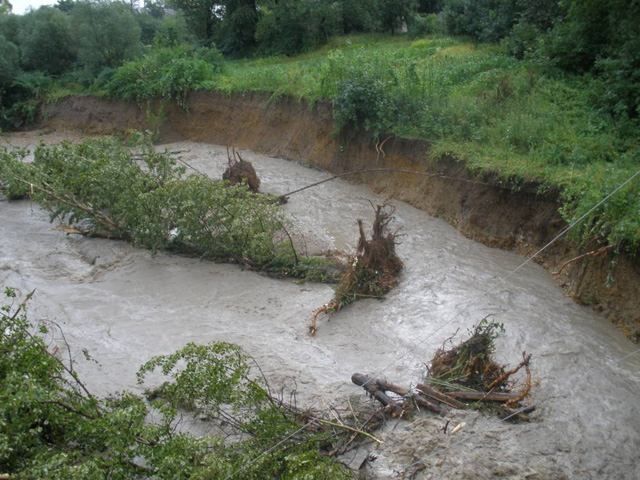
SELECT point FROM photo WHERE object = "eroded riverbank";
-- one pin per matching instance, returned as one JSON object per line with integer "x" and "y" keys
{"x": 481, "y": 206}
{"x": 125, "y": 305}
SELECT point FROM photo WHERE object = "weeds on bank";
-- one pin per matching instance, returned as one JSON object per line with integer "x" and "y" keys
{"x": 100, "y": 188}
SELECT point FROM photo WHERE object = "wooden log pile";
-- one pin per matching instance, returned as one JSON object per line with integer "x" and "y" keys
{"x": 399, "y": 401}
{"x": 462, "y": 376}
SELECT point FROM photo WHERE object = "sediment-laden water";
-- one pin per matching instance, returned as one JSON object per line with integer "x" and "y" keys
{"x": 124, "y": 305}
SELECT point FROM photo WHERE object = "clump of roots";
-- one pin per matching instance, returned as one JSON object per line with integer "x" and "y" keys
{"x": 240, "y": 171}
{"x": 469, "y": 371}
{"x": 372, "y": 272}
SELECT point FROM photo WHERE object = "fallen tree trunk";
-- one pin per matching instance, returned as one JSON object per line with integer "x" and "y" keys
{"x": 377, "y": 389}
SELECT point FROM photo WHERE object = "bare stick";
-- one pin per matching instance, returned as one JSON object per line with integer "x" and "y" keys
{"x": 594, "y": 253}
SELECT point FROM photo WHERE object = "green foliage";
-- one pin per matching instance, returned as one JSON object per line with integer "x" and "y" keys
{"x": 46, "y": 42}
{"x": 238, "y": 28}
{"x": 103, "y": 189}
{"x": 149, "y": 26}
{"x": 202, "y": 16}
{"x": 359, "y": 16}
{"x": 485, "y": 20}
{"x": 12, "y": 167}
{"x": 172, "y": 32}
{"x": 52, "y": 427}
{"x": 169, "y": 73}
{"x": 292, "y": 26}
{"x": 421, "y": 25}
{"x": 216, "y": 374}
{"x": 363, "y": 103}
{"x": 106, "y": 34}
{"x": 9, "y": 63}
{"x": 22, "y": 99}
{"x": 395, "y": 13}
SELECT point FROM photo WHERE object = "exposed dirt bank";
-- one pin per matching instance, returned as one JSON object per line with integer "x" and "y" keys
{"x": 479, "y": 206}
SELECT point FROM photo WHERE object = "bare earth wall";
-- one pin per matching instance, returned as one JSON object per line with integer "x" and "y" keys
{"x": 479, "y": 206}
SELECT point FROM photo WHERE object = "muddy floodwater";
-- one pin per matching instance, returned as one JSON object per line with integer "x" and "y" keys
{"x": 125, "y": 305}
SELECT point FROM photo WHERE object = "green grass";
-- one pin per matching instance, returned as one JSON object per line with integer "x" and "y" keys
{"x": 514, "y": 118}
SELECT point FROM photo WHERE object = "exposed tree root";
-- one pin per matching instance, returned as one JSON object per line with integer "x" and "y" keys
{"x": 372, "y": 272}
{"x": 240, "y": 171}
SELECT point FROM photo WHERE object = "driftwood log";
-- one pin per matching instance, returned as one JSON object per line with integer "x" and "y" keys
{"x": 427, "y": 397}
{"x": 378, "y": 389}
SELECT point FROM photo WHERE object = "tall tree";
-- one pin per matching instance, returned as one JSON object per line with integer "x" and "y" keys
{"x": 238, "y": 27}
{"x": 46, "y": 43}
{"x": 396, "y": 13}
{"x": 106, "y": 34}
{"x": 202, "y": 16}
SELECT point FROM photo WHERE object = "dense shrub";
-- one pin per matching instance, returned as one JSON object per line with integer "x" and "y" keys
{"x": 485, "y": 20}
{"x": 169, "y": 73}
{"x": 172, "y": 32}
{"x": 422, "y": 25}
{"x": 359, "y": 16}
{"x": 9, "y": 63}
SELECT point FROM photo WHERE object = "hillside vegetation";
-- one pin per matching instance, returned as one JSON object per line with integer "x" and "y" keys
{"x": 499, "y": 114}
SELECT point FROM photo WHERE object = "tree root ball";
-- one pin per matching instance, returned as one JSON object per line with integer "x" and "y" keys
{"x": 241, "y": 171}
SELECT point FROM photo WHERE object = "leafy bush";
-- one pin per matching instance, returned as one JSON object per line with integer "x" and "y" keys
{"x": 172, "y": 32}
{"x": 21, "y": 100}
{"x": 169, "y": 73}
{"x": 51, "y": 426}
{"x": 363, "y": 102}
{"x": 9, "y": 63}
{"x": 14, "y": 176}
{"x": 293, "y": 26}
{"x": 421, "y": 25}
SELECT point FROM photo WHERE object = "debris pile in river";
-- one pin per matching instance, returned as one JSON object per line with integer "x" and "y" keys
{"x": 240, "y": 171}
{"x": 465, "y": 375}
{"x": 372, "y": 272}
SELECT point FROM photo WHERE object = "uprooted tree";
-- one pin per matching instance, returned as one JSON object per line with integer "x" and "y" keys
{"x": 101, "y": 188}
{"x": 372, "y": 271}
{"x": 240, "y": 171}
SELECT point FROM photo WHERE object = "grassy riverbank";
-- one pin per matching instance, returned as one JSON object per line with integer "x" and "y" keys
{"x": 516, "y": 118}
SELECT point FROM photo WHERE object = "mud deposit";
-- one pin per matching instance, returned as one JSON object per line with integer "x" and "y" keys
{"x": 125, "y": 305}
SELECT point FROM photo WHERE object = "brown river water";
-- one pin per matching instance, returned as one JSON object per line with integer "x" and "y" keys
{"x": 125, "y": 305}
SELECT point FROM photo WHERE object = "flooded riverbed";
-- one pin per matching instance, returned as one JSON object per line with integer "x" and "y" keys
{"x": 124, "y": 305}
